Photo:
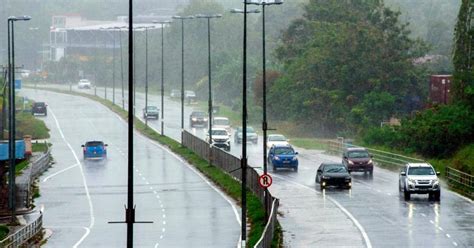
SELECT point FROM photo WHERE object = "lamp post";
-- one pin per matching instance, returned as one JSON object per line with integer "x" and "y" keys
{"x": 244, "y": 124}
{"x": 11, "y": 78}
{"x": 264, "y": 90}
{"x": 121, "y": 69}
{"x": 209, "y": 17}
{"x": 163, "y": 23}
{"x": 182, "y": 18}
{"x": 146, "y": 73}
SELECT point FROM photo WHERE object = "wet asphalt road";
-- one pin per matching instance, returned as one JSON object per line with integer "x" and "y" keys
{"x": 371, "y": 214}
{"x": 81, "y": 197}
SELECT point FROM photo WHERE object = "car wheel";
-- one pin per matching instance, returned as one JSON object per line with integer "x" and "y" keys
{"x": 316, "y": 179}
{"x": 274, "y": 168}
{"x": 296, "y": 169}
{"x": 371, "y": 172}
{"x": 406, "y": 195}
{"x": 437, "y": 196}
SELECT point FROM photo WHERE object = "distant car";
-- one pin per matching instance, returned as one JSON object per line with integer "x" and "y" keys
{"x": 221, "y": 122}
{"x": 220, "y": 138}
{"x": 151, "y": 112}
{"x": 190, "y": 96}
{"x": 419, "y": 178}
{"x": 84, "y": 84}
{"x": 39, "y": 108}
{"x": 251, "y": 135}
{"x": 283, "y": 156}
{"x": 276, "y": 139}
{"x": 358, "y": 159}
{"x": 175, "y": 93}
{"x": 198, "y": 119}
{"x": 94, "y": 150}
{"x": 333, "y": 174}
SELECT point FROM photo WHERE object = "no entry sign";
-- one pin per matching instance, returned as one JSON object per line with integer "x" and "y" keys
{"x": 265, "y": 181}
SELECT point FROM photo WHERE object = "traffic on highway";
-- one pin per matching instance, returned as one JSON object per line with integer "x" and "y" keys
{"x": 255, "y": 123}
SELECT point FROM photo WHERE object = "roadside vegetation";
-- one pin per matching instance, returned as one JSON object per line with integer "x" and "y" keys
{"x": 3, "y": 231}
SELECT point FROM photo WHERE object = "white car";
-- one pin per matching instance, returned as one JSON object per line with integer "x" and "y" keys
{"x": 276, "y": 139}
{"x": 419, "y": 178}
{"x": 221, "y": 122}
{"x": 84, "y": 84}
{"x": 220, "y": 138}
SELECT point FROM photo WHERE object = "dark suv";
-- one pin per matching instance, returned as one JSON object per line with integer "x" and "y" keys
{"x": 198, "y": 118}
{"x": 39, "y": 108}
{"x": 358, "y": 159}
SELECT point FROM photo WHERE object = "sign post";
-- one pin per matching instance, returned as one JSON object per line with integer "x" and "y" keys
{"x": 265, "y": 181}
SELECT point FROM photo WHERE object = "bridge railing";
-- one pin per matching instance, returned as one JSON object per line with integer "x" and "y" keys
{"x": 460, "y": 180}
{"x": 18, "y": 238}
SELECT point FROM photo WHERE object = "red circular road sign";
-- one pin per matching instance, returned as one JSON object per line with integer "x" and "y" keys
{"x": 265, "y": 181}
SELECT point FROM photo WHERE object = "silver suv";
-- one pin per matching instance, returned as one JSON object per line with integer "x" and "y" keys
{"x": 419, "y": 178}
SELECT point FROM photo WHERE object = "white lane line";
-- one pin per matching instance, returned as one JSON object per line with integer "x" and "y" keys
{"x": 455, "y": 244}
{"x": 91, "y": 208}
{"x": 440, "y": 228}
{"x": 424, "y": 215}
{"x": 59, "y": 172}
{"x": 348, "y": 214}
{"x": 432, "y": 222}
{"x": 447, "y": 235}
{"x": 157, "y": 245}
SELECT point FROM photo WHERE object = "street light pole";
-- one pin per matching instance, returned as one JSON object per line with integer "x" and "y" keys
{"x": 264, "y": 95}
{"x": 121, "y": 69}
{"x": 12, "y": 131}
{"x": 113, "y": 70}
{"x": 162, "y": 75}
{"x": 146, "y": 74}
{"x": 209, "y": 17}
{"x": 182, "y": 18}
{"x": 244, "y": 124}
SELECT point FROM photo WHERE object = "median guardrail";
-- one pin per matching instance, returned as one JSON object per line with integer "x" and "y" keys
{"x": 460, "y": 180}
{"x": 24, "y": 234}
{"x": 231, "y": 165}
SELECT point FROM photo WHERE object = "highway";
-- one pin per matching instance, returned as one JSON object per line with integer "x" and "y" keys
{"x": 371, "y": 214}
{"x": 80, "y": 197}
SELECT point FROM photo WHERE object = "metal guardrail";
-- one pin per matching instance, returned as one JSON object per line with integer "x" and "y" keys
{"x": 24, "y": 234}
{"x": 381, "y": 157}
{"x": 231, "y": 165}
{"x": 461, "y": 180}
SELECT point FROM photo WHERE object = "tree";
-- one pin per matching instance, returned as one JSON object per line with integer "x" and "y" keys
{"x": 463, "y": 86}
{"x": 339, "y": 52}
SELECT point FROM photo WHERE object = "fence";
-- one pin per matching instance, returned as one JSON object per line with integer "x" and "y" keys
{"x": 25, "y": 181}
{"x": 381, "y": 157}
{"x": 231, "y": 165}
{"x": 460, "y": 180}
{"x": 24, "y": 234}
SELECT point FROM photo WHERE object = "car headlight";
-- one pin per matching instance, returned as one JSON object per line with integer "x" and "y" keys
{"x": 411, "y": 181}
{"x": 205, "y": 119}
{"x": 194, "y": 119}
{"x": 277, "y": 158}
{"x": 370, "y": 161}
{"x": 350, "y": 162}
{"x": 436, "y": 181}
{"x": 294, "y": 158}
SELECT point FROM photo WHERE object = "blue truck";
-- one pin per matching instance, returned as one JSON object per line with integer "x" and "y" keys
{"x": 5, "y": 147}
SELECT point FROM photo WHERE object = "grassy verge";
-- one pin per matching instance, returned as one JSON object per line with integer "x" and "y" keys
{"x": 3, "y": 231}
{"x": 228, "y": 184}
{"x": 19, "y": 167}
{"x": 27, "y": 124}
{"x": 309, "y": 143}
{"x": 40, "y": 147}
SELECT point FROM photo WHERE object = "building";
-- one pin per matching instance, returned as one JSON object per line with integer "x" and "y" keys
{"x": 440, "y": 87}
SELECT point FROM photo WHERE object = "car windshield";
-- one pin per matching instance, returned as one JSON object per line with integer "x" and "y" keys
{"x": 39, "y": 104}
{"x": 284, "y": 151}
{"x": 276, "y": 138}
{"x": 199, "y": 114}
{"x": 358, "y": 154}
{"x": 219, "y": 132}
{"x": 421, "y": 171}
{"x": 222, "y": 122}
{"x": 95, "y": 143}
{"x": 250, "y": 130}
{"x": 151, "y": 108}
{"x": 335, "y": 168}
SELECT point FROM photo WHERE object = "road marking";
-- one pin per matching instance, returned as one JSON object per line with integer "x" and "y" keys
{"x": 59, "y": 172}
{"x": 447, "y": 235}
{"x": 432, "y": 222}
{"x": 455, "y": 244}
{"x": 91, "y": 208}
{"x": 424, "y": 215}
{"x": 348, "y": 214}
{"x": 440, "y": 228}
